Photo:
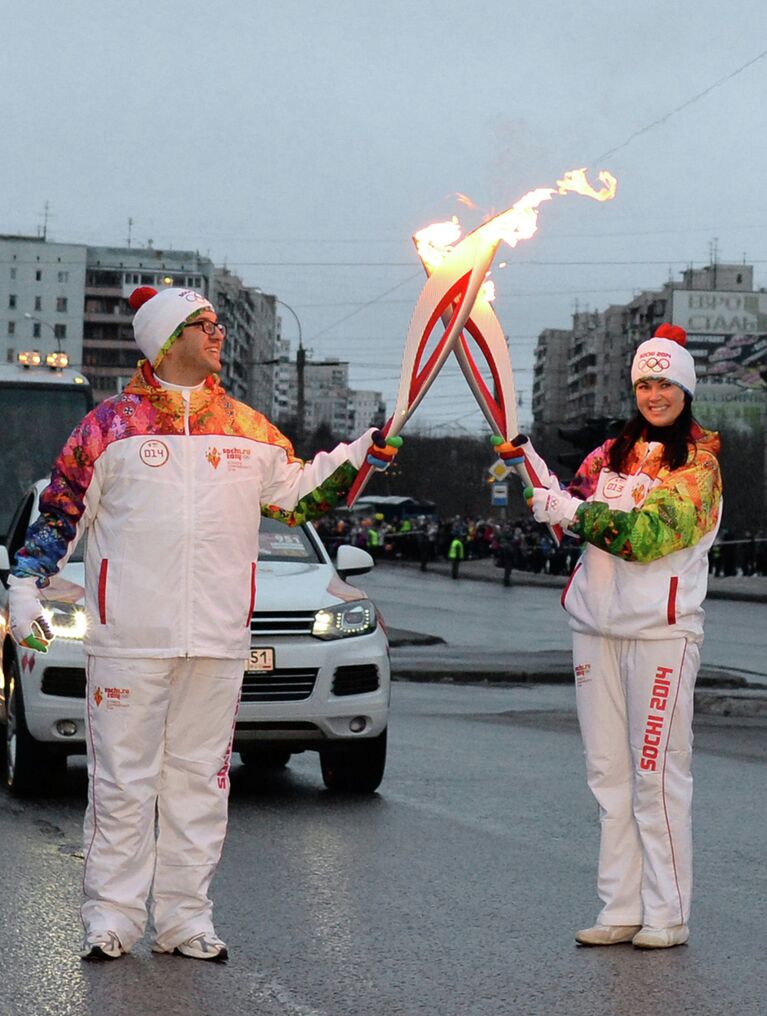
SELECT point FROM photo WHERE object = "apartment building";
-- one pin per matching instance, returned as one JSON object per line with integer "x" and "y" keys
{"x": 41, "y": 297}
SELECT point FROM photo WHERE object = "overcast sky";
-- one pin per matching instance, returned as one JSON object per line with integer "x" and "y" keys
{"x": 303, "y": 143}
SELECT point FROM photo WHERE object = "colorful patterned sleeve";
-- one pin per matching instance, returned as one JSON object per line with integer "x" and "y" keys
{"x": 675, "y": 515}
{"x": 330, "y": 493}
{"x": 51, "y": 537}
{"x": 298, "y": 492}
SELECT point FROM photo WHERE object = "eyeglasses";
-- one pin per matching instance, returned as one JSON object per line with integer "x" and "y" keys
{"x": 209, "y": 327}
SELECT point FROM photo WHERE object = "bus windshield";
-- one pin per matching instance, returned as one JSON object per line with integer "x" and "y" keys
{"x": 35, "y": 421}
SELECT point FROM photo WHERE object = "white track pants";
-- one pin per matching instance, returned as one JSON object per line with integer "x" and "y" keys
{"x": 159, "y": 743}
{"x": 635, "y": 704}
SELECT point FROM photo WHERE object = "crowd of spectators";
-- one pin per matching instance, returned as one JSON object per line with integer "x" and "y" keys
{"x": 519, "y": 545}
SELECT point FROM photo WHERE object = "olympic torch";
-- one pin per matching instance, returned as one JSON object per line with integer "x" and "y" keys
{"x": 453, "y": 296}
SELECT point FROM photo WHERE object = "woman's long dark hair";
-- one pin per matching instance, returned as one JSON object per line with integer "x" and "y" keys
{"x": 676, "y": 439}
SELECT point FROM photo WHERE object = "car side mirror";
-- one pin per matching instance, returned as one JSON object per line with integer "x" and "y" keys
{"x": 352, "y": 561}
{"x": 5, "y": 563}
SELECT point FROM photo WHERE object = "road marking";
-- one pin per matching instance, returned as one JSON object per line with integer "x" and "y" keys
{"x": 269, "y": 989}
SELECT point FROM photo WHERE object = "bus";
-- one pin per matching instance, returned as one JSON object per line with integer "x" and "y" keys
{"x": 40, "y": 405}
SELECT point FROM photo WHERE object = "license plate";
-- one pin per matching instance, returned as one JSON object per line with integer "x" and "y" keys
{"x": 261, "y": 661}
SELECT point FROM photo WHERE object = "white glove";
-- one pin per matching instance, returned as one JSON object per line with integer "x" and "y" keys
{"x": 556, "y": 508}
{"x": 28, "y": 624}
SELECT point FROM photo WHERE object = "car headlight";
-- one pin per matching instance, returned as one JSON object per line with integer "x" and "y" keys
{"x": 345, "y": 620}
{"x": 67, "y": 620}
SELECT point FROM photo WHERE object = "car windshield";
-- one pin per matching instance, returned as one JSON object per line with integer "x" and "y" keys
{"x": 279, "y": 542}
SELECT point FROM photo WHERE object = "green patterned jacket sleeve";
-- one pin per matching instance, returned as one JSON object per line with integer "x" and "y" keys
{"x": 675, "y": 515}
{"x": 317, "y": 502}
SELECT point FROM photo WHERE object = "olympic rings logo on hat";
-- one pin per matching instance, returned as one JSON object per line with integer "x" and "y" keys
{"x": 191, "y": 296}
{"x": 654, "y": 362}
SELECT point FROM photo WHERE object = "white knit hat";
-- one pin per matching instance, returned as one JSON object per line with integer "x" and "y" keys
{"x": 664, "y": 356}
{"x": 158, "y": 315}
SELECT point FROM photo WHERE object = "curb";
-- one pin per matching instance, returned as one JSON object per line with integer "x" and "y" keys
{"x": 522, "y": 578}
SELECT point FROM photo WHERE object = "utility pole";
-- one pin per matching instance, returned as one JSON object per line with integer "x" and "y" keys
{"x": 300, "y": 392}
{"x": 300, "y": 372}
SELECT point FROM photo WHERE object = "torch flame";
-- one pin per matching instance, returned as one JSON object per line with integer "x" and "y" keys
{"x": 575, "y": 180}
{"x": 487, "y": 292}
{"x": 520, "y": 222}
{"x": 435, "y": 242}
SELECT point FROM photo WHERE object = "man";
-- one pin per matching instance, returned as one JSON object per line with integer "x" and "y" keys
{"x": 169, "y": 480}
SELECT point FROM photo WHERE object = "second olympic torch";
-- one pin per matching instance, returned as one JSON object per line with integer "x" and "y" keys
{"x": 455, "y": 297}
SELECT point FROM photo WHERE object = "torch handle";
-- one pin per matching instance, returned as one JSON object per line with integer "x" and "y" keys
{"x": 530, "y": 478}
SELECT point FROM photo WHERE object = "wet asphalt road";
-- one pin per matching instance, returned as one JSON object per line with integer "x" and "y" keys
{"x": 456, "y": 890}
{"x": 483, "y": 620}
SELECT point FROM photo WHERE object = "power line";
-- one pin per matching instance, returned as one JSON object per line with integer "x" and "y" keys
{"x": 678, "y": 109}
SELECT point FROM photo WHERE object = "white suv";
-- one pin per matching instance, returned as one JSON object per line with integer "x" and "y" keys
{"x": 318, "y": 676}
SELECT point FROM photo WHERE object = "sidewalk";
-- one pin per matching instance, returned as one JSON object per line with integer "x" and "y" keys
{"x": 418, "y": 657}
{"x": 738, "y": 587}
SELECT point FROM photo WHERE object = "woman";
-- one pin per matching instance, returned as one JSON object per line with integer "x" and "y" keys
{"x": 647, "y": 504}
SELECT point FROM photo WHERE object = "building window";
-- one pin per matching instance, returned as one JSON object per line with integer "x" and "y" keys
{"x": 11, "y": 327}
{"x": 10, "y": 355}
{"x": 38, "y": 303}
{"x": 12, "y": 301}
{"x": 38, "y": 275}
{"x": 36, "y": 330}
{"x": 60, "y": 331}
{"x": 61, "y": 303}
{"x": 13, "y": 273}
{"x": 63, "y": 276}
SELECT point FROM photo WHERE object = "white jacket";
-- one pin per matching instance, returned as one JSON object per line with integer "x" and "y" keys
{"x": 644, "y": 570}
{"x": 169, "y": 489}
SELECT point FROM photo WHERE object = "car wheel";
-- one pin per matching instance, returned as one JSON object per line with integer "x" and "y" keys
{"x": 274, "y": 758}
{"x": 355, "y": 768}
{"x": 29, "y": 765}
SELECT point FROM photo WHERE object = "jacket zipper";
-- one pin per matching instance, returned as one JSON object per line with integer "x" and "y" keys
{"x": 187, "y": 511}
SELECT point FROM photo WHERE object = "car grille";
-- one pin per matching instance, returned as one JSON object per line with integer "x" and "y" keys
{"x": 291, "y": 684}
{"x": 65, "y": 681}
{"x": 356, "y": 680}
{"x": 282, "y": 622}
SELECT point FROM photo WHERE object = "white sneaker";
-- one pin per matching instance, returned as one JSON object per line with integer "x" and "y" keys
{"x": 607, "y": 934}
{"x": 661, "y": 938}
{"x": 204, "y": 946}
{"x": 102, "y": 945}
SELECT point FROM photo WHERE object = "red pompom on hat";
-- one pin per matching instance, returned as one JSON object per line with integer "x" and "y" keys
{"x": 140, "y": 296}
{"x": 673, "y": 332}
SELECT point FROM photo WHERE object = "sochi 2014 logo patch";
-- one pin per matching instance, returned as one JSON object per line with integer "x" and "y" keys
{"x": 654, "y": 363}
{"x": 213, "y": 456}
{"x": 191, "y": 297}
{"x": 154, "y": 453}
{"x": 98, "y": 697}
{"x": 582, "y": 673}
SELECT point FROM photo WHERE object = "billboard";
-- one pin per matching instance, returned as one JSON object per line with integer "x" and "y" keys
{"x": 716, "y": 312}
{"x": 726, "y": 333}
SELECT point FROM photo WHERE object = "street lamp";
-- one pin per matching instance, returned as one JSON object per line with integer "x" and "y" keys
{"x": 300, "y": 367}
{"x": 42, "y": 321}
